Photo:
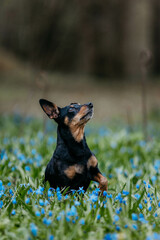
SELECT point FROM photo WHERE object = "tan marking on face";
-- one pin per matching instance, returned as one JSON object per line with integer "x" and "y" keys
{"x": 92, "y": 162}
{"x": 71, "y": 105}
{"x": 81, "y": 113}
{"x": 103, "y": 183}
{"x": 72, "y": 170}
{"x": 77, "y": 126}
{"x": 66, "y": 120}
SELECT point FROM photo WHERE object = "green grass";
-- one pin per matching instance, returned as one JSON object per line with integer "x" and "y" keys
{"x": 131, "y": 165}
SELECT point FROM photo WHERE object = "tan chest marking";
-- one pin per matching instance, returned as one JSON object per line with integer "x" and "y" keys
{"x": 92, "y": 162}
{"x": 72, "y": 170}
{"x": 76, "y": 130}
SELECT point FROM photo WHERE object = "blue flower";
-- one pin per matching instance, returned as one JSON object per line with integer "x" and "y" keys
{"x": 66, "y": 197}
{"x": 82, "y": 222}
{"x": 137, "y": 186}
{"x": 50, "y": 214}
{"x": 98, "y": 217}
{"x": 141, "y": 215}
{"x": 116, "y": 218}
{"x": 93, "y": 198}
{"x": 58, "y": 218}
{"x": 117, "y": 211}
{"x": 104, "y": 193}
{"x": 111, "y": 236}
{"x": 73, "y": 191}
{"x": 14, "y": 201}
{"x": 50, "y": 194}
{"x": 109, "y": 195}
{"x": 143, "y": 220}
{"x": 51, "y": 140}
{"x": 158, "y": 204}
{"x": 33, "y": 151}
{"x": 59, "y": 195}
{"x": 140, "y": 206}
{"x": 47, "y": 221}
{"x": 156, "y": 236}
{"x": 13, "y": 169}
{"x": 145, "y": 201}
{"x": 76, "y": 203}
{"x": 134, "y": 217}
{"x": 11, "y": 192}
{"x": 13, "y": 212}
{"x": 39, "y": 191}
{"x": 27, "y": 200}
{"x": 41, "y": 202}
{"x": 150, "y": 208}
{"x": 33, "y": 229}
{"x": 32, "y": 142}
{"x": 27, "y": 168}
{"x": 67, "y": 219}
{"x": 153, "y": 179}
{"x": 80, "y": 191}
{"x": 42, "y": 211}
{"x": 118, "y": 228}
{"x": 135, "y": 227}
{"x": 51, "y": 237}
{"x": 1, "y": 204}
{"x": 125, "y": 192}
{"x": 21, "y": 157}
{"x": 30, "y": 190}
{"x": 73, "y": 211}
{"x": 37, "y": 213}
{"x": 137, "y": 196}
{"x": 139, "y": 173}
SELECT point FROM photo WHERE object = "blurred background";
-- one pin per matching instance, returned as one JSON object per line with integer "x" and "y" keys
{"x": 106, "y": 52}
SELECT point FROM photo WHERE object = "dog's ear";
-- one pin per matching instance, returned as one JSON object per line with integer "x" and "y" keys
{"x": 49, "y": 108}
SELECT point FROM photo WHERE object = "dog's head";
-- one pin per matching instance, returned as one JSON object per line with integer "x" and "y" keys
{"x": 74, "y": 116}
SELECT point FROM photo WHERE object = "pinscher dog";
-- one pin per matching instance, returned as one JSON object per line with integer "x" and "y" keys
{"x": 72, "y": 165}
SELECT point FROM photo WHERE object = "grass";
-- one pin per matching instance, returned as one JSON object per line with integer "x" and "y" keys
{"x": 129, "y": 210}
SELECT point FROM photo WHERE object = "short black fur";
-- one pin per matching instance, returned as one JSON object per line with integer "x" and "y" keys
{"x": 70, "y": 154}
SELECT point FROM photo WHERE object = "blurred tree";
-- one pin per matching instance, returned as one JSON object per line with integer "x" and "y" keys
{"x": 156, "y": 37}
{"x": 99, "y": 37}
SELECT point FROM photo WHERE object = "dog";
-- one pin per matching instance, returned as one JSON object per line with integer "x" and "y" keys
{"x": 72, "y": 165}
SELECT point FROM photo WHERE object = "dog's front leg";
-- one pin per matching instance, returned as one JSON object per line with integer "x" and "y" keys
{"x": 103, "y": 182}
{"x": 92, "y": 165}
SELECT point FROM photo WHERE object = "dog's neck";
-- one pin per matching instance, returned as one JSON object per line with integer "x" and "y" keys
{"x": 76, "y": 149}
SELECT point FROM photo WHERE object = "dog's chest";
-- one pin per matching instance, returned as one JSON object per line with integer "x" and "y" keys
{"x": 80, "y": 168}
{"x": 73, "y": 170}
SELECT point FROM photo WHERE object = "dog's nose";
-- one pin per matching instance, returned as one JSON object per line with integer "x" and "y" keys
{"x": 90, "y": 105}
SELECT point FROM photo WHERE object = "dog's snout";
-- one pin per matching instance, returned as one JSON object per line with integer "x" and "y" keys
{"x": 90, "y": 105}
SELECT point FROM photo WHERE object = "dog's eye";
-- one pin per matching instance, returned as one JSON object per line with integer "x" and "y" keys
{"x": 71, "y": 109}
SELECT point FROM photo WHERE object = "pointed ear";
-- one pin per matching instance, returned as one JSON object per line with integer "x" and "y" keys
{"x": 49, "y": 108}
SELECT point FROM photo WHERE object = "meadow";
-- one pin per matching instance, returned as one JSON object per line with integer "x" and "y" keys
{"x": 29, "y": 210}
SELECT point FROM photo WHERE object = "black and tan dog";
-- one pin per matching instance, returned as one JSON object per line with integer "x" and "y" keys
{"x": 72, "y": 165}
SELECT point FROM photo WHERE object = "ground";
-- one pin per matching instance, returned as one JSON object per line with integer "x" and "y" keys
{"x": 22, "y": 86}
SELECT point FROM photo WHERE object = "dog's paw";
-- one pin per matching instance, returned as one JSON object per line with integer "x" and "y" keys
{"x": 103, "y": 185}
